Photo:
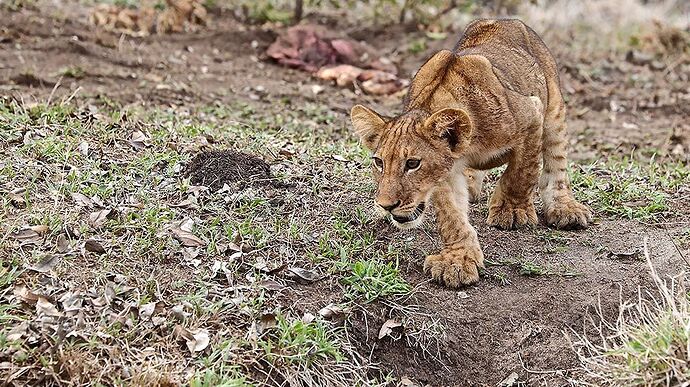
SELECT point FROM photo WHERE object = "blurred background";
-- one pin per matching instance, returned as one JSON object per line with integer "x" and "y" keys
{"x": 624, "y": 63}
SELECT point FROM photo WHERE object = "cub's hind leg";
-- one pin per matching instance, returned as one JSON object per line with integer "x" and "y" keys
{"x": 560, "y": 207}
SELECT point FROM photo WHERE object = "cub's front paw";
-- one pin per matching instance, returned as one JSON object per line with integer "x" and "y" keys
{"x": 455, "y": 267}
{"x": 506, "y": 215}
{"x": 568, "y": 214}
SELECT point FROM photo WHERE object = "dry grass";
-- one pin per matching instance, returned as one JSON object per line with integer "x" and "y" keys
{"x": 164, "y": 303}
{"x": 649, "y": 342}
{"x": 602, "y": 26}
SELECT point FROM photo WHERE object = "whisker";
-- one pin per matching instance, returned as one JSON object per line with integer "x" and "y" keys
{"x": 404, "y": 208}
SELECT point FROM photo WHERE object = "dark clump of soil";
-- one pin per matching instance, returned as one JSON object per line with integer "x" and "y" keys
{"x": 215, "y": 168}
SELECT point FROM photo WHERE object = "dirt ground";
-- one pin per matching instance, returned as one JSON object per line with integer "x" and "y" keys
{"x": 509, "y": 322}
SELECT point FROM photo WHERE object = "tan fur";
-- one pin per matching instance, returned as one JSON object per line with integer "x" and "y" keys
{"x": 495, "y": 99}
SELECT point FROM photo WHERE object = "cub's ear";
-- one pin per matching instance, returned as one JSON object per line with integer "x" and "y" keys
{"x": 368, "y": 125}
{"x": 452, "y": 125}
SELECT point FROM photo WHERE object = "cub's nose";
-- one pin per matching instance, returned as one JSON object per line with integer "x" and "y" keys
{"x": 389, "y": 206}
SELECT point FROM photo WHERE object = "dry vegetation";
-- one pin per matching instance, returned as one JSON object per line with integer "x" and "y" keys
{"x": 648, "y": 344}
{"x": 177, "y": 210}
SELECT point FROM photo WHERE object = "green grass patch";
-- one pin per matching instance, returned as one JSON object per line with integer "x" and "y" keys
{"x": 629, "y": 189}
{"x": 373, "y": 279}
{"x": 221, "y": 374}
{"x": 10, "y": 269}
{"x": 529, "y": 268}
{"x": 297, "y": 341}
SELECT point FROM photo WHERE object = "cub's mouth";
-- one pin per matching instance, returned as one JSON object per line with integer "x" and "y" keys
{"x": 413, "y": 219}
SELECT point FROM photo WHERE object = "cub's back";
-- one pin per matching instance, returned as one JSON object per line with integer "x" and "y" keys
{"x": 520, "y": 59}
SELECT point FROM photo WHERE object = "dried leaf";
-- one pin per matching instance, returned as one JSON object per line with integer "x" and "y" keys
{"x": 97, "y": 219}
{"x": 62, "y": 244}
{"x": 146, "y": 310}
{"x": 304, "y": 274}
{"x": 139, "y": 140}
{"x": 629, "y": 254}
{"x": 71, "y": 302}
{"x": 271, "y": 285}
{"x": 196, "y": 341}
{"x": 187, "y": 203}
{"x": 179, "y": 313}
{"x": 26, "y": 235}
{"x": 82, "y": 200}
{"x": 332, "y": 312}
{"x": 222, "y": 248}
{"x": 97, "y": 201}
{"x": 107, "y": 297}
{"x": 388, "y": 327}
{"x": 221, "y": 266}
{"x": 308, "y": 318}
{"x": 158, "y": 320}
{"x": 31, "y": 234}
{"x": 262, "y": 265}
{"x": 24, "y": 294}
{"x": 187, "y": 238}
{"x": 83, "y": 148}
{"x": 181, "y": 332}
{"x": 94, "y": 246}
{"x": 18, "y": 332}
{"x": 268, "y": 320}
{"x": 252, "y": 335}
{"x": 46, "y": 264}
{"x": 187, "y": 225}
{"x": 201, "y": 341}
{"x": 510, "y": 380}
{"x": 43, "y": 306}
{"x": 41, "y": 228}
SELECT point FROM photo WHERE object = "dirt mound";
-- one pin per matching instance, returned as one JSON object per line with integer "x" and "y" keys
{"x": 215, "y": 168}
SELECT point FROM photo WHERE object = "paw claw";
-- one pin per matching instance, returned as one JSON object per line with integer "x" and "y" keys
{"x": 568, "y": 214}
{"x": 455, "y": 267}
{"x": 507, "y": 216}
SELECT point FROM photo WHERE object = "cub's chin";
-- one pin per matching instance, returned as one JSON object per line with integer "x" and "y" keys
{"x": 412, "y": 220}
{"x": 408, "y": 224}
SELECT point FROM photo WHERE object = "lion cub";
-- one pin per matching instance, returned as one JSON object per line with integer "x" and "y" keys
{"x": 495, "y": 99}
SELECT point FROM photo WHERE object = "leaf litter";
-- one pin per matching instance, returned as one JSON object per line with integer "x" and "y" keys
{"x": 314, "y": 49}
{"x": 177, "y": 16}
{"x": 45, "y": 265}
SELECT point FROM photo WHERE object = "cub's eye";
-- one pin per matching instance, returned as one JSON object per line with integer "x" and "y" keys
{"x": 412, "y": 164}
{"x": 378, "y": 162}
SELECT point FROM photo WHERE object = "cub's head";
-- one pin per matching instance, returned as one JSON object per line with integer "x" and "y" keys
{"x": 411, "y": 155}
